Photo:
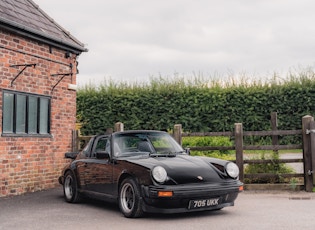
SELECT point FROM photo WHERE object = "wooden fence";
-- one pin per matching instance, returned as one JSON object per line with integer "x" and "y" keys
{"x": 308, "y": 147}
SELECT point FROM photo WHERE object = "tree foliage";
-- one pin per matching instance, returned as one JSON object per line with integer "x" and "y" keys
{"x": 199, "y": 105}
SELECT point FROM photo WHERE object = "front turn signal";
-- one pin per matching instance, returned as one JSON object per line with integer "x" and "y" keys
{"x": 165, "y": 194}
{"x": 241, "y": 188}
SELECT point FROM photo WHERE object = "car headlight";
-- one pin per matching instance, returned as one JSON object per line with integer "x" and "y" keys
{"x": 232, "y": 170}
{"x": 159, "y": 174}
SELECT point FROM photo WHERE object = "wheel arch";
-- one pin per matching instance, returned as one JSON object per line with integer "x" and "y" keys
{"x": 73, "y": 171}
{"x": 141, "y": 176}
{"x": 131, "y": 176}
{"x": 124, "y": 176}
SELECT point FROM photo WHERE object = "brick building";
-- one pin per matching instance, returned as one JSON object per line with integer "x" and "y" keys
{"x": 38, "y": 67}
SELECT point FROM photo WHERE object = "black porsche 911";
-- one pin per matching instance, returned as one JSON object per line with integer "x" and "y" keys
{"x": 148, "y": 171}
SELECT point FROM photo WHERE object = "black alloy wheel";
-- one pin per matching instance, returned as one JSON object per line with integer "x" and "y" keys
{"x": 130, "y": 202}
{"x": 70, "y": 188}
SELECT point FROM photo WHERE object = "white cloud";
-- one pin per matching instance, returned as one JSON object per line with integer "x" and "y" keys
{"x": 135, "y": 39}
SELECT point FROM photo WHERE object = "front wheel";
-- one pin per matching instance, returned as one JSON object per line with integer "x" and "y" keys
{"x": 70, "y": 188}
{"x": 130, "y": 202}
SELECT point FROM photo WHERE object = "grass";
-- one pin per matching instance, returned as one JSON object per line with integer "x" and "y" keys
{"x": 270, "y": 151}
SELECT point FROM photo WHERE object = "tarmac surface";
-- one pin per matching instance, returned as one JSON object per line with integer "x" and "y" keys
{"x": 47, "y": 210}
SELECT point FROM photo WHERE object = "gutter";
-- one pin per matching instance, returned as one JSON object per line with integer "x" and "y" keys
{"x": 42, "y": 36}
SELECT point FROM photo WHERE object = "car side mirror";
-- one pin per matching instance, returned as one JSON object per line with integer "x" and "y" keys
{"x": 102, "y": 155}
{"x": 71, "y": 155}
{"x": 187, "y": 150}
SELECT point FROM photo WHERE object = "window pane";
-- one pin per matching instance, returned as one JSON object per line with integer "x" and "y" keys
{"x": 44, "y": 116}
{"x": 20, "y": 113}
{"x": 32, "y": 114}
{"x": 8, "y": 106}
{"x": 25, "y": 114}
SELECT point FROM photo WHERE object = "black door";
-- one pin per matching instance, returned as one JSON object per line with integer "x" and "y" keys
{"x": 99, "y": 172}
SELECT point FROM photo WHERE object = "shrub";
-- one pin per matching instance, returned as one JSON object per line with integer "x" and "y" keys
{"x": 200, "y": 105}
{"x": 274, "y": 168}
{"x": 209, "y": 141}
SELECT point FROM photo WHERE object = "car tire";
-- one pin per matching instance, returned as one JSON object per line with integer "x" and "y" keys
{"x": 70, "y": 188}
{"x": 130, "y": 201}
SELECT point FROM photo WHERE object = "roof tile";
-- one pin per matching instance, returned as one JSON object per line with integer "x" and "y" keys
{"x": 27, "y": 15}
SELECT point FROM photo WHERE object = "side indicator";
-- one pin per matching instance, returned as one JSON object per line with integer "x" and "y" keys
{"x": 165, "y": 194}
{"x": 241, "y": 188}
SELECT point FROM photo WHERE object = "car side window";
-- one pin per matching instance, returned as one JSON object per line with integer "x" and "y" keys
{"x": 101, "y": 145}
{"x": 107, "y": 148}
{"x": 86, "y": 150}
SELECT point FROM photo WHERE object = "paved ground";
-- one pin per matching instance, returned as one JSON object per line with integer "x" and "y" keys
{"x": 264, "y": 210}
{"x": 298, "y": 167}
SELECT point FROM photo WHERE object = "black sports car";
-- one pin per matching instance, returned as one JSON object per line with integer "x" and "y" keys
{"x": 148, "y": 171}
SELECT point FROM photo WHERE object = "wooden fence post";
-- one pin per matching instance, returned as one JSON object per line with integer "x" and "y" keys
{"x": 274, "y": 127}
{"x": 312, "y": 139}
{"x": 75, "y": 141}
{"x": 238, "y": 129}
{"x": 307, "y": 153}
{"x": 178, "y": 133}
{"x": 119, "y": 127}
{"x": 109, "y": 131}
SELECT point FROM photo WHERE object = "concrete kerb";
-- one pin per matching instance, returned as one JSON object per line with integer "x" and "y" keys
{"x": 274, "y": 187}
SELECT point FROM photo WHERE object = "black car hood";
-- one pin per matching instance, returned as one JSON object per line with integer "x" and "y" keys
{"x": 183, "y": 169}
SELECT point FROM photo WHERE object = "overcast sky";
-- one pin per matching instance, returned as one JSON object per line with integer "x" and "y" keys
{"x": 134, "y": 40}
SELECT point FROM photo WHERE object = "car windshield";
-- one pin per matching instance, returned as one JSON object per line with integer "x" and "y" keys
{"x": 153, "y": 143}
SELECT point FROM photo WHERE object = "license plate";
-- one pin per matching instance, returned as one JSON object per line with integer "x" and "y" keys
{"x": 203, "y": 203}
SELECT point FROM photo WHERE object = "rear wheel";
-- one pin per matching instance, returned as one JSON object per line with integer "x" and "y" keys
{"x": 130, "y": 202}
{"x": 70, "y": 188}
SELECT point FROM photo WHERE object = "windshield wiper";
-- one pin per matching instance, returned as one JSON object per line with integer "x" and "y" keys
{"x": 163, "y": 154}
{"x": 182, "y": 151}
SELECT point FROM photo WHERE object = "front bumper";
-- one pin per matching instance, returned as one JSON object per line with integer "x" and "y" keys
{"x": 223, "y": 194}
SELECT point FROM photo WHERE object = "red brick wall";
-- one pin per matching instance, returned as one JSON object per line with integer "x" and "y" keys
{"x": 30, "y": 164}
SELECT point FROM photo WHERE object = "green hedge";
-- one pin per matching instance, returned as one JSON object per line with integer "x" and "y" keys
{"x": 197, "y": 105}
